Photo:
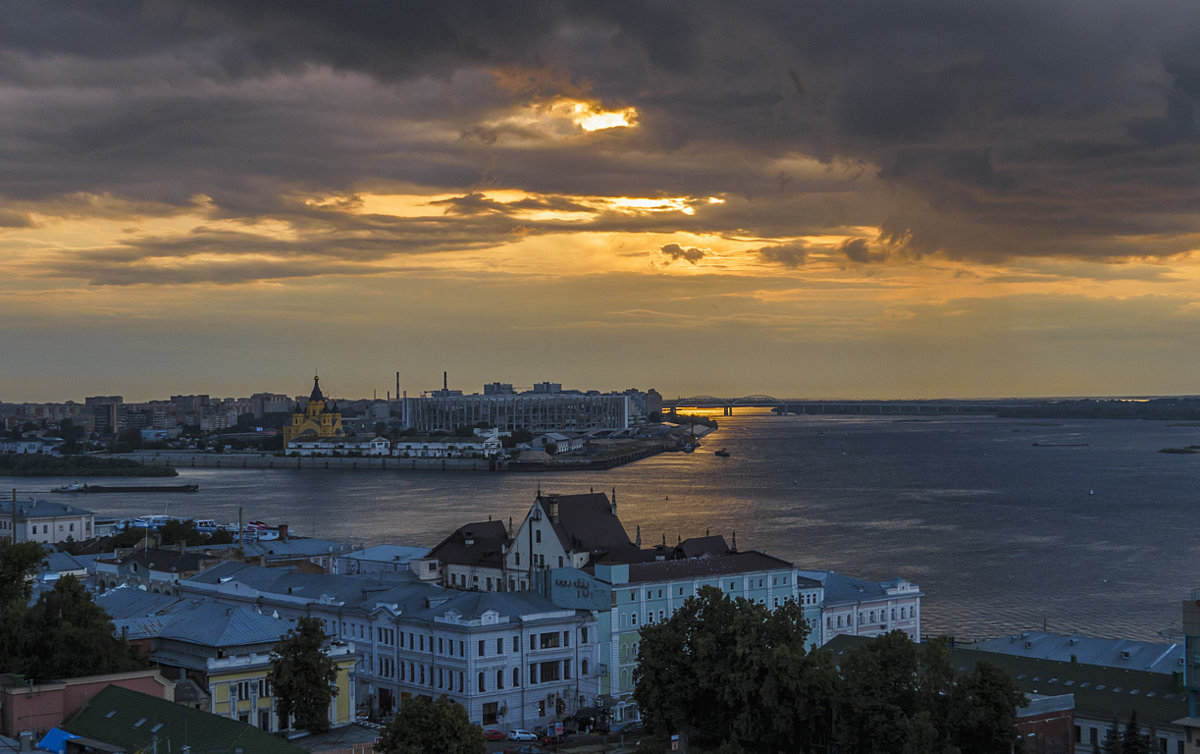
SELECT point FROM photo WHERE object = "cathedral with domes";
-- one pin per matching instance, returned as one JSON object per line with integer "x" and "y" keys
{"x": 317, "y": 420}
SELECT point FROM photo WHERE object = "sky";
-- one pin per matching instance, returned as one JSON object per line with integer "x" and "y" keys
{"x": 868, "y": 198}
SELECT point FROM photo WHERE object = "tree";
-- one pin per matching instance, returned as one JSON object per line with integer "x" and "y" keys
{"x": 18, "y": 563}
{"x": 879, "y": 695}
{"x": 304, "y": 676}
{"x": 1133, "y": 741}
{"x": 984, "y": 710}
{"x": 66, "y": 635}
{"x": 174, "y": 531}
{"x": 737, "y": 672}
{"x": 441, "y": 726}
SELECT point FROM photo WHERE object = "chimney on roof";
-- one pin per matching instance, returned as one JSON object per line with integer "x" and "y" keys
{"x": 468, "y": 538}
{"x": 283, "y": 532}
{"x": 734, "y": 547}
{"x": 445, "y": 382}
{"x": 638, "y": 540}
{"x": 553, "y": 508}
{"x": 614, "y": 501}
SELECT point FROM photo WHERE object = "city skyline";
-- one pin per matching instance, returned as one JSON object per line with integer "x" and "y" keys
{"x": 802, "y": 200}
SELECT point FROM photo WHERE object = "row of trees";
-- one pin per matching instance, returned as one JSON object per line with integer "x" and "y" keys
{"x": 739, "y": 675}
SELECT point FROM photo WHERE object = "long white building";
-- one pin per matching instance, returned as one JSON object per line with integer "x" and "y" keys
{"x": 512, "y": 659}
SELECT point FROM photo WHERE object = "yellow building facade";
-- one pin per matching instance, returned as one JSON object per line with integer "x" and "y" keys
{"x": 319, "y": 419}
{"x": 238, "y": 689}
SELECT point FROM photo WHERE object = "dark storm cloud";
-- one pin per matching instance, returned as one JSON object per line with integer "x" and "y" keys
{"x": 1002, "y": 128}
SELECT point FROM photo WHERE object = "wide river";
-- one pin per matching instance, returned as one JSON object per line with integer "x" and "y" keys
{"x": 1093, "y": 530}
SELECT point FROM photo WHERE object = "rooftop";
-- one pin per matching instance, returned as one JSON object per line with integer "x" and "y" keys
{"x": 137, "y": 721}
{"x": 1165, "y": 657}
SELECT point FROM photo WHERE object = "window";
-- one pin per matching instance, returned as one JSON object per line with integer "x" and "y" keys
{"x": 566, "y": 670}
{"x": 633, "y": 619}
{"x": 566, "y": 638}
{"x": 583, "y": 666}
{"x": 500, "y": 646}
{"x": 439, "y": 645}
{"x": 499, "y": 679}
{"x": 491, "y": 711}
{"x": 489, "y": 583}
{"x": 516, "y": 677}
{"x": 421, "y": 641}
{"x": 560, "y": 561}
{"x": 518, "y": 558}
{"x": 532, "y": 642}
{"x": 549, "y": 641}
{"x": 549, "y": 671}
{"x": 583, "y": 635}
{"x": 264, "y": 719}
{"x": 516, "y": 644}
{"x": 481, "y": 651}
{"x": 533, "y": 675}
{"x": 243, "y": 690}
{"x": 537, "y": 535}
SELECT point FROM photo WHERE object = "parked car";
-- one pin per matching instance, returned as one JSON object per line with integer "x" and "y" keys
{"x": 519, "y": 734}
{"x": 492, "y": 734}
{"x": 551, "y": 739}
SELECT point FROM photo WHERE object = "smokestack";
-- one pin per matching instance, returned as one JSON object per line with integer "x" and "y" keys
{"x": 445, "y": 382}
{"x": 397, "y": 384}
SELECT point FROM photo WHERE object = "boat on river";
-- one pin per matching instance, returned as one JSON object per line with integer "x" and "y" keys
{"x": 723, "y": 452}
{"x": 99, "y": 488}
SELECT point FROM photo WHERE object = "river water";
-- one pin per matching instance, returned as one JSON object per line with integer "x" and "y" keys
{"x": 1091, "y": 530}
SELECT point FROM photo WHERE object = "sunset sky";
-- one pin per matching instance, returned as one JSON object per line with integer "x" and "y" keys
{"x": 885, "y": 198}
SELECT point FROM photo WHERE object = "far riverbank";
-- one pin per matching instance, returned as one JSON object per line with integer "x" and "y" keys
{"x": 610, "y": 458}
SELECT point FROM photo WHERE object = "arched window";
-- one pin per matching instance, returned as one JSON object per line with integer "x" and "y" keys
{"x": 499, "y": 679}
{"x": 516, "y": 677}
{"x": 583, "y": 666}
{"x": 481, "y": 689}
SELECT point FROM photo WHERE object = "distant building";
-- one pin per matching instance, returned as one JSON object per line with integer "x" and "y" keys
{"x": 472, "y": 558}
{"x": 538, "y": 411}
{"x": 385, "y": 559}
{"x": 47, "y": 446}
{"x": 856, "y": 607}
{"x": 154, "y": 569}
{"x": 318, "y": 419}
{"x": 46, "y": 522}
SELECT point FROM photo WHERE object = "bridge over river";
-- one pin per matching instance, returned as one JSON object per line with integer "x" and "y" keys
{"x": 809, "y": 406}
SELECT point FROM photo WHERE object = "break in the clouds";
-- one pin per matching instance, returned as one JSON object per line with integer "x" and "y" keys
{"x": 874, "y": 146}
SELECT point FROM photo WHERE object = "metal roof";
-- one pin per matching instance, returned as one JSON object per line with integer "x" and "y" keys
{"x": 1155, "y": 657}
